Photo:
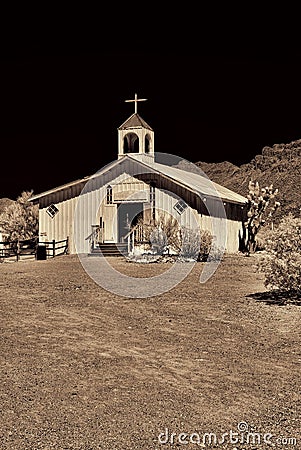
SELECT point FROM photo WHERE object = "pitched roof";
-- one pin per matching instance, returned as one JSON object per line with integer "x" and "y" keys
{"x": 134, "y": 121}
{"x": 79, "y": 181}
{"x": 197, "y": 182}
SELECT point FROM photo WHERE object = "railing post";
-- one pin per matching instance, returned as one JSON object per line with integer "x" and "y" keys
{"x": 53, "y": 248}
{"x": 18, "y": 250}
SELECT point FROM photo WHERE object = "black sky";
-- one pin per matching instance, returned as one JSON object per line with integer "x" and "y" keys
{"x": 61, "y": 106}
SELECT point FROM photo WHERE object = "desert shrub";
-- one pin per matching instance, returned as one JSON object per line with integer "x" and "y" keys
{"x": 167, "y": 236}
{"x": 281, "y": 263}
{"x": 216, "y": 253}
{"x": 164, "y": 234}
{"x": 205, "y": 245}
{"x": 196, "y": 244}
{"x": 159, "y": 240}
{"x": 190, "y": 243}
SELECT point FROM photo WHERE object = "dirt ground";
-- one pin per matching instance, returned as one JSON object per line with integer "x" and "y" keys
{"x": 82, "y": 368}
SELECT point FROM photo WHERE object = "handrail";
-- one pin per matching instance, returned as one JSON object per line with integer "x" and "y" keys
{"x": 135, "y": 236}
{"x": 95, "y": 230}
{"x": 131, "y": 231}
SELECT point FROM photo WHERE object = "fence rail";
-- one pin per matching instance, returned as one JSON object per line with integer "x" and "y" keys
{"x": 32, "y": 247}
{"x": 56, "y": 248}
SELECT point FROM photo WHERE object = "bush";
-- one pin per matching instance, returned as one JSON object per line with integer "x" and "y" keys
{"x": 206, "y": 239}
{"x": 164, "y": 235}
{"x": 167, "y": 236}
{"x": 197, "y": 244}
{"x": 281, "y": 264}
{"x": 190, "y": 243}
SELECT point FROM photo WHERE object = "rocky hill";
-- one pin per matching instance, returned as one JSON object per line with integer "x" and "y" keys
{"x": 279, "y": 164}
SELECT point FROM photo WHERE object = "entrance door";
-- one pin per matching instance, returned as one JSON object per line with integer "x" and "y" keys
{"x": 128, "y": 215}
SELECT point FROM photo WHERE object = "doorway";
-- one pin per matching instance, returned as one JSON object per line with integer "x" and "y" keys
{"x": 128, "y": 215}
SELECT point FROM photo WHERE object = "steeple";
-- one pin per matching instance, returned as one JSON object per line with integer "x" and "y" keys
{"x": 135, "y": 136}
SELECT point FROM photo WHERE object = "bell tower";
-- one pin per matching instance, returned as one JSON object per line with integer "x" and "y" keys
{"x": 136, "y": 137}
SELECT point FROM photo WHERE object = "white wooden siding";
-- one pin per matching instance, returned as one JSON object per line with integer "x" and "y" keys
{"x": 90, "y": 206}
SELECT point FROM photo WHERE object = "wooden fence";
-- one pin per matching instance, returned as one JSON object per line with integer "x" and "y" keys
{"x": 39, "y": 250}
{"x": 56, "y": 248}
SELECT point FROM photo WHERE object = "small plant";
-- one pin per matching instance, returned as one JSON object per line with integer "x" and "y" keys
{"x": 281, "y": 264}
{"x": 190, "y": 248}
{"x": 205, "y": 246}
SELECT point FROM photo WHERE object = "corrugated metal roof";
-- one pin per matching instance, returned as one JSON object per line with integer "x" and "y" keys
{"x": 75, "y": 182}
{"x": 134, "y": 121}
{"x": 199, "y": 183}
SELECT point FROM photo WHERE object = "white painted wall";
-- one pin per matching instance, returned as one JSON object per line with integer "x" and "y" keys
{"x": 77, "y": 215}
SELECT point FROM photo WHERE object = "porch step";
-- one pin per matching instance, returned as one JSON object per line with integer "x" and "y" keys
{"x": 110, "y": 249}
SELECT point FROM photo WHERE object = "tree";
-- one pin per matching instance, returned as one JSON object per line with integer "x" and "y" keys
{"x": 19, "y": 221}
{"x": 281, "y": 264}
{"x": 260, "y": 208}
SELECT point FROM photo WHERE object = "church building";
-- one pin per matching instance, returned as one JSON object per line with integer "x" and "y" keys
{"x": 104, "y": 209}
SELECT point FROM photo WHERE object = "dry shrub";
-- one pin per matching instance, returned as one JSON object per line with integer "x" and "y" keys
{"x": 167, "y": 236}
{"x": 281, "y": 264}
{"x": 206, "y": 239}
{"x": 164, "y": 234}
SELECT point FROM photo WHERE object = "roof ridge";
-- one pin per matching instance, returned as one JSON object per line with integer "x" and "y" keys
{"x": 220, "y": 191}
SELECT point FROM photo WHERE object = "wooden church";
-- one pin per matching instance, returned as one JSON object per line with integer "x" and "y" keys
{"x": 102, "y": 210}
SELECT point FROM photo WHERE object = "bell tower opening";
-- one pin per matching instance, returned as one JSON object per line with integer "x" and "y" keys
{"x": 131, "y": 143}
{"x": 147, "y": 144}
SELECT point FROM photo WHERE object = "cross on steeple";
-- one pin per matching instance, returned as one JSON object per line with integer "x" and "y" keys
{"x": 136, "y": 100}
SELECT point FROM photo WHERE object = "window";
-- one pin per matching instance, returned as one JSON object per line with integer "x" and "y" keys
{"x": 109, "y": 195}
{"x": 52, "y": 210}
{"x": 180, "y": 206}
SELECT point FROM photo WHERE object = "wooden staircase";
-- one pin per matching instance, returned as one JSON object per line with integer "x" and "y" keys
{"x": 110, "y": 249}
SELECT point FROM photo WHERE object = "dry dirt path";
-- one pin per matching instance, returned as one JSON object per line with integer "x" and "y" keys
{"x": 82, "y": 368}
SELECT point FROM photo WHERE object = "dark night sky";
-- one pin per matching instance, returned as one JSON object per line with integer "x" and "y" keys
{"x": 61, "y": 106}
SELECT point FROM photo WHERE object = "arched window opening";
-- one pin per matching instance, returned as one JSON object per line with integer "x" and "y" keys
{"x": 147, "y": 143}
{"x": 131, "y": 143}
{"x": 109, "y": 195}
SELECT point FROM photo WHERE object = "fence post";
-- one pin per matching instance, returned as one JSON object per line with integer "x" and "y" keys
{"x": 53, "y": 248}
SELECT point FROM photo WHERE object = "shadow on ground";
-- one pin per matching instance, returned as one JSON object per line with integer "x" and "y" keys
{"x": 280, "y": 298}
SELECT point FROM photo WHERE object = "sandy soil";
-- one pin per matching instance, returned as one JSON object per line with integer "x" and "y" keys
{"x": 82, "y": 368}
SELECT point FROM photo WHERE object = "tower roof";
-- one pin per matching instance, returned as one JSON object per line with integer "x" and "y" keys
{"x": 134, "y": 121}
